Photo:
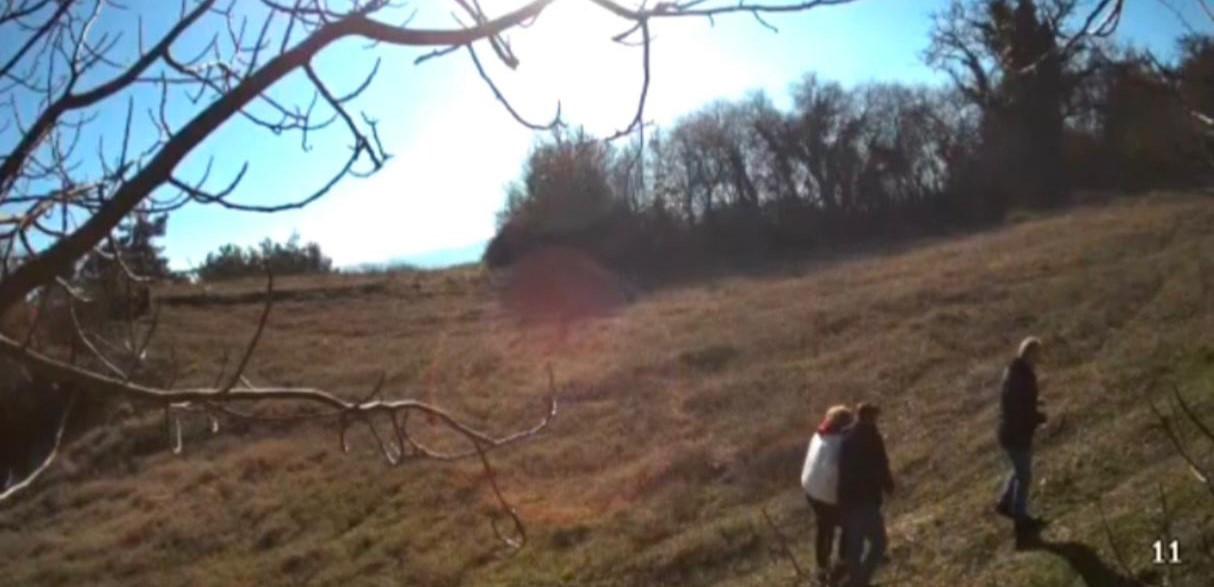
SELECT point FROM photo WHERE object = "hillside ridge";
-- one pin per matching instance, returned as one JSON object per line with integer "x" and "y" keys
{"x": 682, "y": 416}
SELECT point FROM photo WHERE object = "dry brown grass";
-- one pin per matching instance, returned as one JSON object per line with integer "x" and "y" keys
{"x": 682, "y": 415}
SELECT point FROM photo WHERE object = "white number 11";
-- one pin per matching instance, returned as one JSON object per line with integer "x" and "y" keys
{"x": 1163, "y": 551}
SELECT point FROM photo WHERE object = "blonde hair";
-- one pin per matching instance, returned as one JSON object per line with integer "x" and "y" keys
{"x": 837, "y": 417}
{"x": 1029, "y": 344}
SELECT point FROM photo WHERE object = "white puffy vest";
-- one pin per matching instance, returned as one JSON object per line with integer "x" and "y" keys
{"x": 820, "y": 475}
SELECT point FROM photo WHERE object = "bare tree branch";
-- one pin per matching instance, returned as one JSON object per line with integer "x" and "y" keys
{"x": 1196, "y": 468}
{"x": 556, "y": 120}
{"x": 1205, "y": 7}
{"x": 62, "y": 75}
{"x": 788, "y": 553}
{"x": 261, "y": 327}
{"x": 10, "y": 490}
{"x": 1108, "y": 532}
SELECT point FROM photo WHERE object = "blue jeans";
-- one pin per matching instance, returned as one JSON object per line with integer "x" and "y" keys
{"x": 864, "y": 524}
{"x": 1016, "y": 490}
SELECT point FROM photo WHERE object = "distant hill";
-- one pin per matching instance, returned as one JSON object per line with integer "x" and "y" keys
{"x": 443, "y": 257}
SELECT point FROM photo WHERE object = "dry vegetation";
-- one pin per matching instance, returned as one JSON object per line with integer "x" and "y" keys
{"x": 683, "y": 414}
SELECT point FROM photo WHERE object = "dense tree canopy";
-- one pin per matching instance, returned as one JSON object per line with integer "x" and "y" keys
{"x": 1034, "y": 110}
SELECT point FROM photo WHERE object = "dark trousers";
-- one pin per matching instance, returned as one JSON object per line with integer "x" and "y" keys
{"x": 828, "y": 521}
{"x": 1016, "y": 491}
{"x": 864, "y": 525}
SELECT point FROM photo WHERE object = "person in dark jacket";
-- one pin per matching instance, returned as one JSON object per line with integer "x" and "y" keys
{"x": 864, "y": 478}
{"x": 1019, "y": 417}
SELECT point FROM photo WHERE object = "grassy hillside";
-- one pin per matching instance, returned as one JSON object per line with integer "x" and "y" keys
{"x": 682, "y": 415}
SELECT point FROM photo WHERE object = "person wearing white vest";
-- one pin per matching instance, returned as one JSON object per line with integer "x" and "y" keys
{"x": 820, "y": 481}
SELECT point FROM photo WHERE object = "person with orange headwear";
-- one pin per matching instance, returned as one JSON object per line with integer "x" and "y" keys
{"x": 820, "y": 481}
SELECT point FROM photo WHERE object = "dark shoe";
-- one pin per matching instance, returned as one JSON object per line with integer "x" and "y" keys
{"x": 1002, "y": 509}
{"x": 1028, "y": 540}
{"x": 837, "y": 574}
{"x": 1028, "y": 533}
{"x": 1030, "y": 524}
{"x": 822, "y": 577}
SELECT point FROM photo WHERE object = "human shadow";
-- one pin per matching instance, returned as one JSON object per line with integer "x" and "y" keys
{"x": 1085, "y": 562}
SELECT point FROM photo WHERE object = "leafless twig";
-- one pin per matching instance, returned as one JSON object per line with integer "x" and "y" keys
{"x": 8, "y": 491}
{"x": 1199, "y": 472}
{"x": 1108, "y": 531}
{"x": 784, "y": 547}
{"x": 62, "y": 75}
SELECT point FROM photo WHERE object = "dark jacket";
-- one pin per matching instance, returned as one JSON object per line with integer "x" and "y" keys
{"x": 863, "y": 467}
{"x": 1018, "y": 415}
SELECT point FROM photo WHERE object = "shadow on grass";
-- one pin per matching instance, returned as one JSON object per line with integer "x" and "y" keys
{"x": 1094, "y": 571}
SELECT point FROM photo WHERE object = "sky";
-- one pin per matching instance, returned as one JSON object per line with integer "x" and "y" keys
{"x": 454, "y": 147}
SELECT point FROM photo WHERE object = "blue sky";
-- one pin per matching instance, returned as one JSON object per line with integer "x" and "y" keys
{"x": 454, "y": 147}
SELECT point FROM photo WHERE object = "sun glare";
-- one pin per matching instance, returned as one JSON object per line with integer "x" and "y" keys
{"x": 568, "y": 55}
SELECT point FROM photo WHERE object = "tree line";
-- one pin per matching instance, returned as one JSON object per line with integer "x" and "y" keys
{"x": 286, "y": 258}
{"x": 1033, "y": 112}
{"x": 136, "y": 251}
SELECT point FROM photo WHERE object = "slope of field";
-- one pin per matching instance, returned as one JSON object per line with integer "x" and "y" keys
{"x": 682, "y": 415}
